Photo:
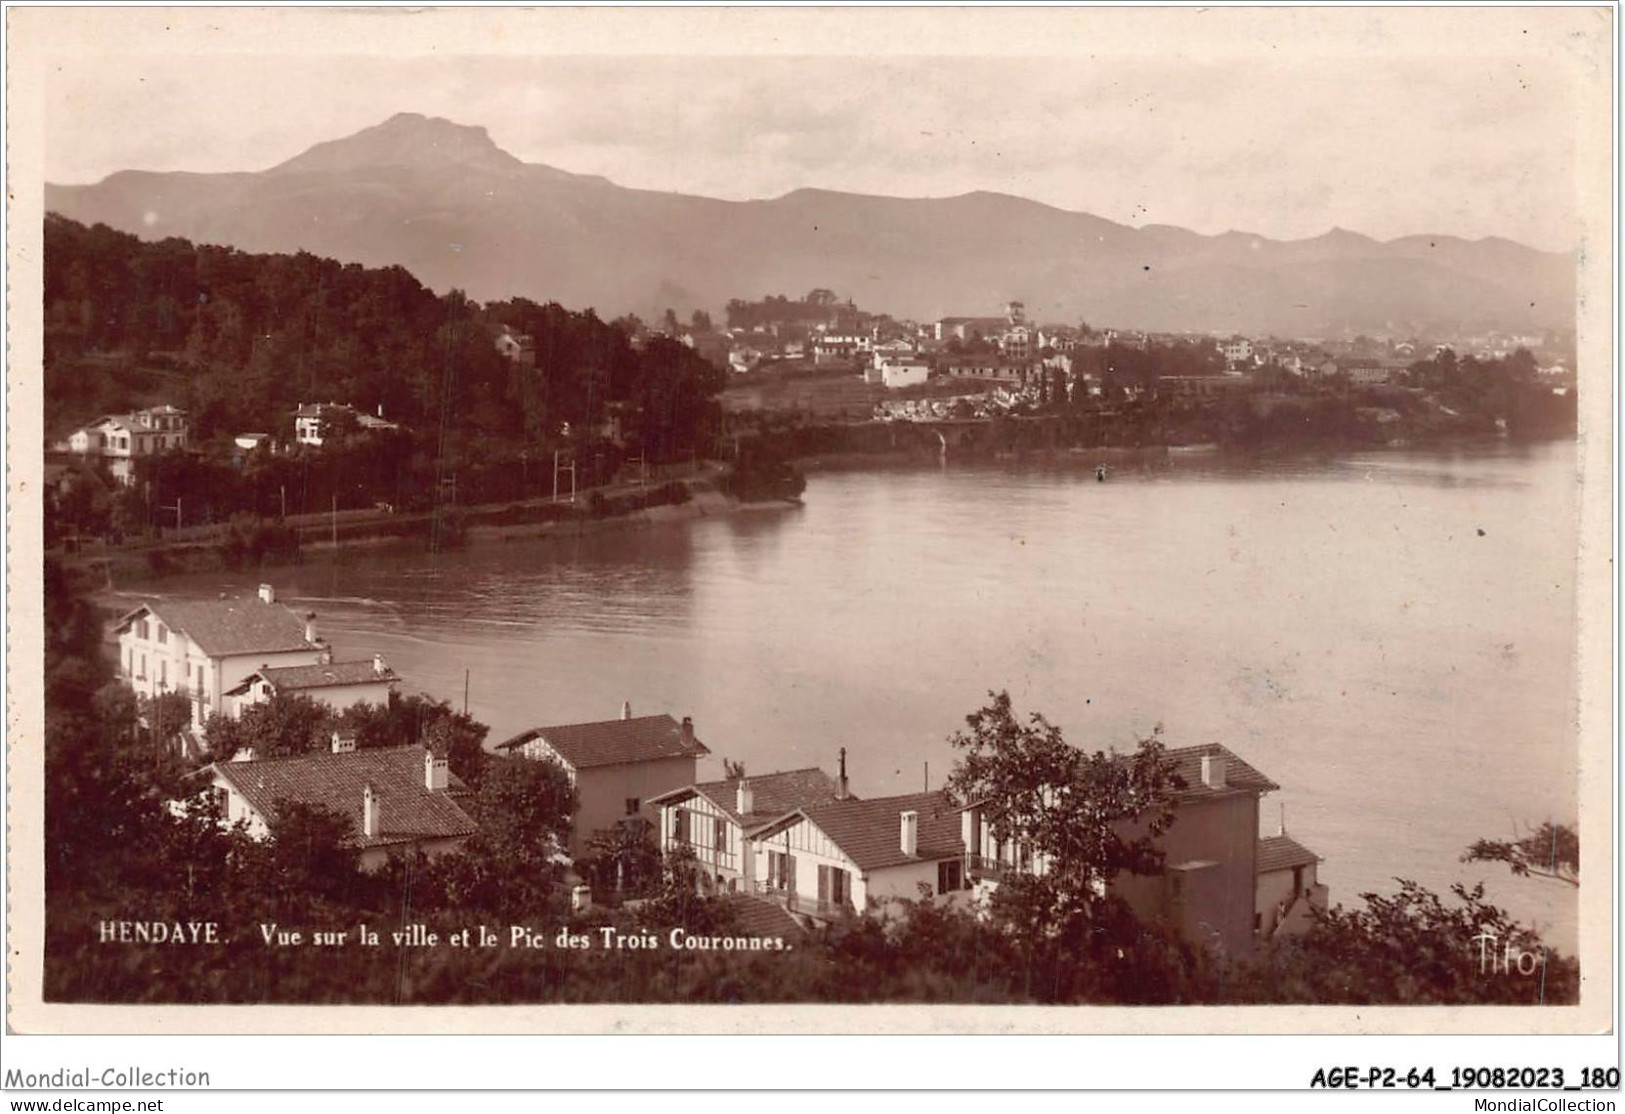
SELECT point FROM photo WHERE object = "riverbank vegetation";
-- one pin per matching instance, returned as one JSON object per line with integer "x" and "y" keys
{"x": 115, "y": 850}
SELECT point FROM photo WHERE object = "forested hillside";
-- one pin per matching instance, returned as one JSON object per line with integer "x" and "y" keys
{"x": 240, "y": 339}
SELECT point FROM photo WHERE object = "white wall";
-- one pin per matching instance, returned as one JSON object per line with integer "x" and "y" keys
{"x": 337, "y": 697}
{"x": 726, "y": 860}
{"x": 811, "y": 848}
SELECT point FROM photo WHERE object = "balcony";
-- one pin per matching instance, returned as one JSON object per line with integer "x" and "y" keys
{"x": 795, "y": 903}
{"x": 983, "y": 868}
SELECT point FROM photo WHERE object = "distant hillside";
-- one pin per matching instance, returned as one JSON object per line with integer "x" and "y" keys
{"x": 445, "y": 202}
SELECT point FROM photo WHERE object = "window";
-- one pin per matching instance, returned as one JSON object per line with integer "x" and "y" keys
{"x": 834, "y": 887}
{"x": 949, "y": 876}
{"x": 141, "y": 629}
{"x": 632, "y": 805}
{"x": 163, "y": 673}
{"x": 719, "y": 833}
{"x": 679, "y": 825}
{"x": 163, "y": 633}
{"x": 781, "y": 871}
{"x": 141, "y": 668}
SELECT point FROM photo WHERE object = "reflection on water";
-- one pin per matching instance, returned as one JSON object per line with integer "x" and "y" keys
{"x": 1387, "y": 635}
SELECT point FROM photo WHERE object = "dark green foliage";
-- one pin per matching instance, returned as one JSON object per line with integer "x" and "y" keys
{"x": 1550, "y": 851}
{"x": 762, "y": 472}
{"x": 241, "y": 340}
{"x": 1410, "y": 948}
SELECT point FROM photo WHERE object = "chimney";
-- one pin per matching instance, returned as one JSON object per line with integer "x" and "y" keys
{"x": 246, "y": 754}
{"x": 688, "y": 731}
{"x": 1213, "y": 771}
{"x": 910, "y": 833}
{"x": 379, "y": 665}
{"x": 325, "y": 657}
{"x": 744, "y": 799}
{"x": 436, "y": 771}
{"x": 343, "y": 742}
{"x": 626, "y": 709}
{"x": 310, "y": 627}
{"x": 380, "y": 410}
{"x": 371, "y": 823}
{"x": 841, "y": 792}
{"x": 267, "y": 593}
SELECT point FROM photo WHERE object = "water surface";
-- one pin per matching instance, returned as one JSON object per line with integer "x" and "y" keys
{"x": 1390, "y": 636}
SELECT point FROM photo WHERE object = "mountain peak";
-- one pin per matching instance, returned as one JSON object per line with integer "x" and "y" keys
{"x": 406, "y": 139}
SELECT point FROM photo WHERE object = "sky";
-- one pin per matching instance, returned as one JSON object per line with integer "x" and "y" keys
{"x": 1285, "y": 143}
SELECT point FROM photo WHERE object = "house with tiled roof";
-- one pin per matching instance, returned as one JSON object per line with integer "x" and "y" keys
{"x": 206, "y": 648}
{"x": 1209, "y": 888}
{"x": 1289, "y": 889}
{"x": 121, "y": 439}
{"x": 714, "y": 820}
{"x": 617, "y": 766}
{"x": 397, "y": 799}
{"x": 338, "y": 684}
{"x": 837, "y": 858}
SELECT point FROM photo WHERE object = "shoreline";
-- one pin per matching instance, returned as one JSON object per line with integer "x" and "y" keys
{"x": 154, "y": 564}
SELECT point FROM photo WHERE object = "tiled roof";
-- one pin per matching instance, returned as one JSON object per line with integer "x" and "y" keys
{"x": 1238, "y": 775}
{"x": 1282, "y": 852}
{"x": 407, "y": 809}
{"x": 287, "y": 678}
{"x": 869, "y": 832}
{"x": 613, "y": 741}
{"x": 772, "y": 795}
{"x": 758, "y": 916}
{"x": 234, "y": 626}
{"x": 1188, "y": 767}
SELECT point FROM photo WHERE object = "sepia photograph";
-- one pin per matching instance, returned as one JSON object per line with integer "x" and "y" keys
{"x": 1102, "y": 511}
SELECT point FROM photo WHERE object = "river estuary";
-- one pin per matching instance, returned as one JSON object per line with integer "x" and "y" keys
{"x": 1390, "y": 636}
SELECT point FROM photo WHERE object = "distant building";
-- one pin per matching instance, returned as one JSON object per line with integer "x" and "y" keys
{"x": 338, "y": 684}
{"x": 992, "y": 368}
{"x": 617, "y": 767}
{"x": 397, "y": 799}
{"x": 315, "y": 423}
{"x": 1368, "y": 375}
{"x": 121, "y": 439}
{"x": 904, "y": 373}
{"x": 968, "y": 328}
{"x": 715, "y": 820}
{"x": 206, "y": 648}
{"x": 1202, "y": 386}
{"x": 248, "y": 442}
{"x": 1288, "y": 889}
{"x": 519, "y": 348}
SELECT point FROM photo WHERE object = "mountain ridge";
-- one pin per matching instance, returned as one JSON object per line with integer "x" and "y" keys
{"x": 447, "y": 202}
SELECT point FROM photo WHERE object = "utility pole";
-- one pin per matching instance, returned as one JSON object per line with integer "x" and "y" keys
{"x": 465, "y": 692}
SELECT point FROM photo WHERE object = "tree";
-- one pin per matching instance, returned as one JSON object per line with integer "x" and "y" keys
{"x": 1411, "y": 948}
{"x": 167, "y": 715}
{"x": 1077, "y": 821}
{"x": 731, "y": 770}
{"x": 1550, "y": 851}
{"x": 509, "y": 866}
{"x": 281, "y": 727}
{"x": 1088, "y": 817}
